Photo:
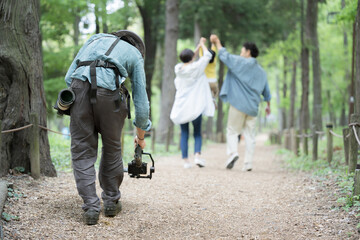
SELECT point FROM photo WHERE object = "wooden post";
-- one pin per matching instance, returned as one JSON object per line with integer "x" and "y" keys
{"x": 305, "y": 142}
{"x": 315, "y": 145}
{"x": 294, "y": 141}
{"x": 356, "y": 183}
{"x": 34, "y": 147}
{"x": 329, "y": 139}
{"x": 353, "y": 150}
{"x": 286, "y": 134}
{"x": 153, "y": 139}
{"x": 346, "y": 144}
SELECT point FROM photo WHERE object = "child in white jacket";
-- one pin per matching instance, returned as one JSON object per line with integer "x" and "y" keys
{"x": 192, "y": 100}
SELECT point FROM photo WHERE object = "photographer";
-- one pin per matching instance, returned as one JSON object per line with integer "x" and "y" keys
{"x": 101, "y": 106}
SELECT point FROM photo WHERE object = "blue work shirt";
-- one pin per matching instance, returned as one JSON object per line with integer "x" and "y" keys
{"x": 130, "y": 64}
{"x": 244, "y": 84}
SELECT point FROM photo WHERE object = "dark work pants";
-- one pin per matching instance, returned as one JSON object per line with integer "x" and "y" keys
{"x": 86, "y": 122}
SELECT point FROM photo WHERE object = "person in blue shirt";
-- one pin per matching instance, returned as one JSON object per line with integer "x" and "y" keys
{"x": 244, "y": 84}
{"x": 96, "y": 76}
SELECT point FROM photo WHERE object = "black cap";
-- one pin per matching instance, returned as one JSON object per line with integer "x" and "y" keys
{"x": 133, "y": 39}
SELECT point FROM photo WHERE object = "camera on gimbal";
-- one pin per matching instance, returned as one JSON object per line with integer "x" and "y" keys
{"x": 137, "y": 168}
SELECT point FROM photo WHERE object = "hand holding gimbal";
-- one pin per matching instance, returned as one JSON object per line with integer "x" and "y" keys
{"x": 137, "y": 167}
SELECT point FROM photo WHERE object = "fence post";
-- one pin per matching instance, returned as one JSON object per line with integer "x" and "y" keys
{"x": 34, "y": 146}
{"x": 329, "y": 139}
{"x": 356, "y": 183}
{"x": 315, "y": 144}
{"x": 153, "y": 140}
{"x": 353, "y": 150}
{"x": 346, "y": 144}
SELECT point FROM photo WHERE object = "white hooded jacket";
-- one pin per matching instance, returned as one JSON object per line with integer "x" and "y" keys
{"x": 193, "y": 95}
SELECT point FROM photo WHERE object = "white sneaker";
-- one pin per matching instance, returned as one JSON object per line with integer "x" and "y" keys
{"x": 187, "y": 165}
{"x": 200, "y": 162}
{"x": 231, "y": 160}
{"x": 247, "y": 167}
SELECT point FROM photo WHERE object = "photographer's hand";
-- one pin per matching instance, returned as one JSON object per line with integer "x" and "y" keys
{"x": 140, "y": 138}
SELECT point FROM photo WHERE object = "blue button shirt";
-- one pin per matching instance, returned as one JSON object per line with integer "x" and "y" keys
{"x": 130, "y": 64}
{"x": 244, "y": 84}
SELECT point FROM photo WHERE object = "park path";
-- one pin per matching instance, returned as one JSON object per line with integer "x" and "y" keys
{"x": 207, "y": 203}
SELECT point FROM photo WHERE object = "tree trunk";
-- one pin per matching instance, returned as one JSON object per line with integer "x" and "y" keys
{"x": 357, "y": 92}
{"x": 312, "y": 19}
{"x": 149, "y": 12}
{"x": 304, "y": 126}
{"x": 197, "y": 30}
{"x": 21, "y": 85}
{"x": 220, "y": 114}
{"x": 284, "y": 94}
{"x": 292, "y": 97}
{"x": 331, "y": 109}
{"x": 97, "y": 22}
{"x": 170, "y": 59}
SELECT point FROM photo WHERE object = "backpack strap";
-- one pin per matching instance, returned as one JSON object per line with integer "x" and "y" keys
{"x": 105, "y": 64}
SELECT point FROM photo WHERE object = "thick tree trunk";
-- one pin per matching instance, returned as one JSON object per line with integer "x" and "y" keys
{"x": 312, "y": 19}
{"x": 292, "y": 97}
{"x": 21, "y": 85}
{"x": 149, "y": 13}
{"x": 220, "y": 113}
{"x": 170, "y": 59}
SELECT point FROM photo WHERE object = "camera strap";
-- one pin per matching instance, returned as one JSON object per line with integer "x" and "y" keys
{"x": 100, "y": 63}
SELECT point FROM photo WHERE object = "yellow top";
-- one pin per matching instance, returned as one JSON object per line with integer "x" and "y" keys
{"x": 210, "y": 70}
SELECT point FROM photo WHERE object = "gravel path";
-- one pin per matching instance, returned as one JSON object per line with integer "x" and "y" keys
{"x": 207, "y": 203}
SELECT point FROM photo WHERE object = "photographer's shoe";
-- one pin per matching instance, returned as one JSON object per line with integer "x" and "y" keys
{"x": 112, "y": 209}
{"x": 231, "y": 160}
{"x": 200, "y": 162}
{"x": 91, "y": 217}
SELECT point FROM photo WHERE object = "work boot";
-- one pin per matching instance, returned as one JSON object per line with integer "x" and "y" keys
{"x": 112, "y": 209}
{"x": 91, "y": 217}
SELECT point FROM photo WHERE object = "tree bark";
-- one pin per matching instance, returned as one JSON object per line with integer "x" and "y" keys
{"x": 170, "y": 59}
{"x": 284, "y": 94}
{"x": 220, "y": 114}
{"x": 312, "y": 19}
{"x": 292, "y": 97}
{"x": 21, "y": 85}
{"x": 357, "y": 78}
{"x": 304, "y": 126}
{"x": 149, "y": 13}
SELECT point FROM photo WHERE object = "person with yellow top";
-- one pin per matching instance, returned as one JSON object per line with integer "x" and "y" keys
{"x": 210, "y": 71}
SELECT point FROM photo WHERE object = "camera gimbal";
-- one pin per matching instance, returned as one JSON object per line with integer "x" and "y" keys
{"x": 136, "y": 168}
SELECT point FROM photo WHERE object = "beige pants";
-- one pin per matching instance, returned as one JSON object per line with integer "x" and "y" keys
{"x": 241, "y": 123}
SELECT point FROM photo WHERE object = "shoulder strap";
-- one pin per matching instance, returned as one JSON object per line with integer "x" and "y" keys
{"x": 112, "y": 46}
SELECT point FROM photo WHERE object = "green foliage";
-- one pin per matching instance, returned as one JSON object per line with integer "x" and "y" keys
{"x": 348, "y": 14}
{"x": 239, "y": 21}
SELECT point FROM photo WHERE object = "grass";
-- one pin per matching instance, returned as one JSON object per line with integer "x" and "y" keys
{"x": 60, "y": 147}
